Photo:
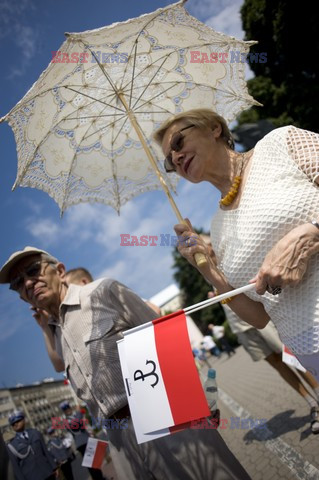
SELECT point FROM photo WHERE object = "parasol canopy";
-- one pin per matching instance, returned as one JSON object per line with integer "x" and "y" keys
{"x": 84, "y": 129}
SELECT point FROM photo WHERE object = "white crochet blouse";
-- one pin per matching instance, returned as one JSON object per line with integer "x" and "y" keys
{"x": 279, "y": 195}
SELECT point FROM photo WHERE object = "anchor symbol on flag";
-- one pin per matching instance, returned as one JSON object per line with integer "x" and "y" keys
{"x": 142, "y": 375}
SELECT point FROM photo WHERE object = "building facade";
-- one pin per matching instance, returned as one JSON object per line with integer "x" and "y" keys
{"x": 39, "y": 402}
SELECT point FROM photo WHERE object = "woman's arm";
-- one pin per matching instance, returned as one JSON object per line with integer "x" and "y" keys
{"x": 287, "y": 262}
{"x": 190, "y": 243}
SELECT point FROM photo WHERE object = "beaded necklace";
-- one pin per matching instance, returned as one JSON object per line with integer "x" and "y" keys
{"x": 233, "y": 191}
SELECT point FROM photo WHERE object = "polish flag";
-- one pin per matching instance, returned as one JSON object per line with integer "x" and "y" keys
{"x": 94, "y": 453}
{"x": 163, "y": 380}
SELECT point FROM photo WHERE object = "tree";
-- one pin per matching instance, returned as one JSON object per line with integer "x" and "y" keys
{"x": 287, "y": 84}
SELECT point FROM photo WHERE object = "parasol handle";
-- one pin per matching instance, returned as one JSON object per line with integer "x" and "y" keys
{"x": 199, "y": 257}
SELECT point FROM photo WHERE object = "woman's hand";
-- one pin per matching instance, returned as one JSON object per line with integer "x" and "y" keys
{"x": 287, "y": 262}
{"x": 190, "y": 243}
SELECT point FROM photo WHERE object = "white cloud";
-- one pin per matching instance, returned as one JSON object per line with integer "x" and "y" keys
{"x": 204, "y": 9}
{"x": 24, "y": 37}
{"x": 228, "y": 21}
{"x": 13, "y": 314}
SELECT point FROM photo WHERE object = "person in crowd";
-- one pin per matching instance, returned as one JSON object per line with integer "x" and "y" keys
{"x": 218, "y": 332}
{"x": 77, "y": 422}
{"x": 266, "y": 345}
{"x": 81, "y": 276}
{"x": 6, "y": 469}
{"x": 266, "y": 229}
{"x": 90, "y": 319}
{"x": 28, "y": 453}
{"x": 78, "y": 276}
{"x": 61, "y": 453}
{"x": 209, "y": 345}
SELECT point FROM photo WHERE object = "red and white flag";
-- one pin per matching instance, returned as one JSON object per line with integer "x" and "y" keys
{"x": 94, "y": 453}
{"x": 290, "y": 359}
{"x": 163, "y": 380}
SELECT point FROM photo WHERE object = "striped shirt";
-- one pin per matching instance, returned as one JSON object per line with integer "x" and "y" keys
{"x": 92, "y": 319}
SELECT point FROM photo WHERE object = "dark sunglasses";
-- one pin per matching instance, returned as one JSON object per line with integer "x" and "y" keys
{"x": 33, "y": 270}
{"x": 177, "y": 143}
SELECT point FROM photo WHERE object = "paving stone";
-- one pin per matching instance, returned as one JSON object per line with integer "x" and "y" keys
{"x": 285, "y": 449}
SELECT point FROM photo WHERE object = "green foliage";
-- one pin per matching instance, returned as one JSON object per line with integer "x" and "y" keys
{"x": 287, "y": 84}
{"x": 195, "y": 289}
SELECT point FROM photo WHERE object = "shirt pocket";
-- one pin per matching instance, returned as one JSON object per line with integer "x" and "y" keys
{"x": 100, "y": 328}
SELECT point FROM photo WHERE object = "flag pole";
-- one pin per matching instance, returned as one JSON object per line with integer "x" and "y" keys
{"x": 218, "y": 298}
{"x": 197, "y": 306}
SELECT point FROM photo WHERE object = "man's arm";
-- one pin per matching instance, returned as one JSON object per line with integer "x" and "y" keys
{"x": 18, "y": 475}
{"x": 42, "y": 318}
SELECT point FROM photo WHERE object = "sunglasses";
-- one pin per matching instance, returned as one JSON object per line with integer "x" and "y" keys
{"x": 33, "y": 270}
{"x": 177, "y": 143}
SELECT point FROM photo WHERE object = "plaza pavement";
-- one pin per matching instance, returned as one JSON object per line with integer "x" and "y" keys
{"x": 285, "y": 448}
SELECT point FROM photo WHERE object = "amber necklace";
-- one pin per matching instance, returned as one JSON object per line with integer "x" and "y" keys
{"x": 233, "y": 191}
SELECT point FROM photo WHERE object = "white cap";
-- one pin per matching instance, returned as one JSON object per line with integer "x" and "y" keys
{"x": 15, "y": 258}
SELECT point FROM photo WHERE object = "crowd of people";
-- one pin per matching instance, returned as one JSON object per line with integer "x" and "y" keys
{"x": 266, "y": 232}
{"x": 34, "y": 458}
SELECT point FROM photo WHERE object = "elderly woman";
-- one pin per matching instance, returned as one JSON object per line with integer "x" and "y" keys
{"x": 266, "y": 229}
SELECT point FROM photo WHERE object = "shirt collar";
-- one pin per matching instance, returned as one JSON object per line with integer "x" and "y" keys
{"x": 72, "y": 297}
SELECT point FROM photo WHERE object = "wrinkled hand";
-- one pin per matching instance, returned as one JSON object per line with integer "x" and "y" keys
{"x": 287, "y": 262}
{"x": 41, "y": 316}
{"x": 190, "y": 243}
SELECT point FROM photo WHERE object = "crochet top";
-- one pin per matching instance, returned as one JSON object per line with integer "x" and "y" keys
{"x": 279, "y": 194}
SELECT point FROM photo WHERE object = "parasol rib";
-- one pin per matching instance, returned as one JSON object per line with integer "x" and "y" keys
{"x": 199, "y": 257}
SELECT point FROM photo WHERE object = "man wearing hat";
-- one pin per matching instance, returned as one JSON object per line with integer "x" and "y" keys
{"x": 89, "y": 320}
{"x": 61, "y": 453}
{"x": 28, "y": 453}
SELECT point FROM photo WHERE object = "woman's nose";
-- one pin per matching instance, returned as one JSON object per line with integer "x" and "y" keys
{"x": 177, "y": 158}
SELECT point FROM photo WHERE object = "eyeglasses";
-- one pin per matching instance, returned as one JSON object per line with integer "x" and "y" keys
{"x": 177, "y": 143}
{"x": 33, "y": 270}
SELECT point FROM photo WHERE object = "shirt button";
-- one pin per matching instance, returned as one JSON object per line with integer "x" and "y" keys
{"x": 74, "y": 350}
{"x": 101, "y": 401}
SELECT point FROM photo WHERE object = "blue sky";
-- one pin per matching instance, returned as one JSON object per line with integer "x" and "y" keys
{"x": 87, "y": 235}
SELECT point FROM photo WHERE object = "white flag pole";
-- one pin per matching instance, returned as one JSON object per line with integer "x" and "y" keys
{"x": 199, "y": 306}
{"x": 219, "y": 298}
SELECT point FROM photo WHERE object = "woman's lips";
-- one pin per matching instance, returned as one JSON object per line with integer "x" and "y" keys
{"x": 187, "y": 164}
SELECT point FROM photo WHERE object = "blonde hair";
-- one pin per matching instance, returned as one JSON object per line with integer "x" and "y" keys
{"x": 200, "y": 118}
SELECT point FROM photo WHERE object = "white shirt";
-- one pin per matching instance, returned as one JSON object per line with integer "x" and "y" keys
{"x": 279, "y": 195}
{"x": 208, "y": 343}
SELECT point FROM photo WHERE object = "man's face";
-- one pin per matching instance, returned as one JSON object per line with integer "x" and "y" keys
{"x": 41, "y": 288}
{"x": 19, "y": 425}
